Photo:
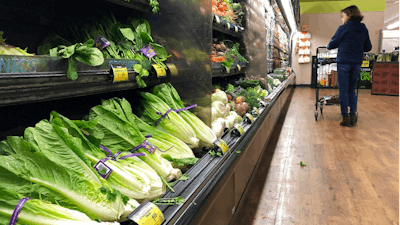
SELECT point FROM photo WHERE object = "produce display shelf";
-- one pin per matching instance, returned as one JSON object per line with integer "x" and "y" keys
{"x": 141, "y": 5}
{"x": 223, "y": 29}
{"x": 38, "y": 78}
{"x": 221, "y": 71}
{"x": 208, "y": 172}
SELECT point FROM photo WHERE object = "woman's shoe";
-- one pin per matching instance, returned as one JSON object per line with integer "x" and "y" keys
{"x": 346, "y": 121}
{"x": 353, "y": 119}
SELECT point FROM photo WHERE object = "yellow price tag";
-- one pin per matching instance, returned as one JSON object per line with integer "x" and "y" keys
{"x": 228, "y": 70}
{"x": 239, "y": 128}
{"x": 159, "y": 70}
{"x": 256, "y": 112}
{"x": 222, "y": 145}
{"x": 365, "y": 64}
{"x": 172, "y": 68}
{"x": 249, "y": 117}
{"x": 147, "y": 214}
{"x": 120, "y": 74}
{"x": 239, "y": 67}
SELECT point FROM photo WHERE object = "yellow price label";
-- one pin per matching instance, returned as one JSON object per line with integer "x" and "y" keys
{"x": 172, "y": 68}
{"x": 365, "y": 64}
{"x": 120, "y": 74}
{"x": 148, "y": 214}
{"x": 256, "y": 111}
{"x": 222, "y": 145}
{"x": 239, "y": 128}
{"x": 159, "y": 70}
{"x": 239, "y": 67}
{"x": 250, "y": 117}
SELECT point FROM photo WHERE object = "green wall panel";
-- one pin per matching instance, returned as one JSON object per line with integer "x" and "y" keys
{"x": 308, "y": 7}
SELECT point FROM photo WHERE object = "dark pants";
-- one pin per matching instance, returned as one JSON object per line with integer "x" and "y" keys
{"x": 348, "y": 75}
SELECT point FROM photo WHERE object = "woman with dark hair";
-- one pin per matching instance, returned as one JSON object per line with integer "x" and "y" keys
{"x": 352, "y": 39}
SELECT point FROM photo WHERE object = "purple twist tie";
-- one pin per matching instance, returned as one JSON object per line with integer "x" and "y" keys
{"x": 163, "y": 116}
{"x": 186, "y": 108}
{"x": 149, "y": 147}
{"x": 17, "y": 210}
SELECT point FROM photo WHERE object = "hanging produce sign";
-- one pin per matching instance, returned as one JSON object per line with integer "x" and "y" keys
{"x": 159, "y": 71}
{"x": 119, "y": 72}
{"x": 146, "y": 214}
{"x": 237, "y": 130}
{"x": 248, "y": 118}
{"x": 222, "y": 145}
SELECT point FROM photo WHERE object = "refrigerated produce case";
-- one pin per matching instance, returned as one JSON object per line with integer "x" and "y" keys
{"x": 31, "y": 87}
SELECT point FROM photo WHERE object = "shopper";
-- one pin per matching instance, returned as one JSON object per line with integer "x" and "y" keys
{"x": 353, "y": 40}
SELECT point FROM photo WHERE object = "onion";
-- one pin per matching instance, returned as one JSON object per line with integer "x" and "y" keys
{"x": 240, "y": 99}
{"x": 246, "y": 106}
{"x": 220, "y": 54}
{"x": 218, "y": 47}
{"x": 229, "y": 97}
{"x": 240, "y": 109}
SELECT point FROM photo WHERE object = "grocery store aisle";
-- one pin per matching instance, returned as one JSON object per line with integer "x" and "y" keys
{"x": 351, "y": 175}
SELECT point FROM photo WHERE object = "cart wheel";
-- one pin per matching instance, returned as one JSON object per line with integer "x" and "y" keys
{"x": 316, "y": 115}
{"x": 356, "y": 116}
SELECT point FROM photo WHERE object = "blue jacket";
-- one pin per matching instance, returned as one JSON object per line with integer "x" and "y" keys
{"x": 352, "y": 39}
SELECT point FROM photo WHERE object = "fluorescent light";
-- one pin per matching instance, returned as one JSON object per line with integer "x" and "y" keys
{"x": 289, "y": 14}
{"x": 393, "y": 25}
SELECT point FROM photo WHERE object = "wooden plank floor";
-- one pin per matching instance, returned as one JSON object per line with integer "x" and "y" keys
{"x": 352, "y": 174}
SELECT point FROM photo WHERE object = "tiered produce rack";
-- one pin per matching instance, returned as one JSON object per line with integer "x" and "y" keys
{"x": 32, "y": 86}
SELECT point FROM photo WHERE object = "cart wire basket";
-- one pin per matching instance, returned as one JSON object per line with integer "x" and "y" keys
{"x": 327, "y": 78}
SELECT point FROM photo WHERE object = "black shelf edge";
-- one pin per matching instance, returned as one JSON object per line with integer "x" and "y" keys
{"x": 200, "y": 190}
{"x": 221, "y": 28}
{"x": 222, "y": 73}
{"x": 140, "y": 5}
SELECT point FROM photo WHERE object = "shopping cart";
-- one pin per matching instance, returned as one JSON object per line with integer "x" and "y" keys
{"x": 327, "y": 79}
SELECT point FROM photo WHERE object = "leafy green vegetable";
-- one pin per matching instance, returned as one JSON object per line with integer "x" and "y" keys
{"x": 38, "y": 212}
{"x": 181, "y": 163}
{"x": 303, "y": 163}
{"x": 171, "y": 97}
{"x": 122, "y": 135}
{"x": 173, "y": 124}
{"x": 212, "y": 153}
{"x": 169, "y": 201}
{"x": 230, "y": 88}
{"x": 219, "y": 154}
{"x": 238, "y": 152}
{"x": 133, "y": 185}
{"x": 49, "y": 178}
{"x": 83, "y": 53}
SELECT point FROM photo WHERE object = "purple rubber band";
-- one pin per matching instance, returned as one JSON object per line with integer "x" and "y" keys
{"x": 149, "y": 147}
{"x": 163, "y": 116}
{"x": 106, "y": 149}
{"x": 17, "y": 210}
{"x": 186, "y": 108}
